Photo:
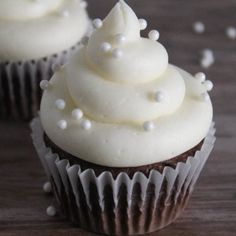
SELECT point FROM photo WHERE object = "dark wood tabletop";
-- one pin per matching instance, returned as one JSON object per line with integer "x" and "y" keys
{"x": 212, "y": 208}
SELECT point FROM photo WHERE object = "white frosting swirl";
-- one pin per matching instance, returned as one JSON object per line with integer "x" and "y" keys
{"x": 117, "y": 96}
{"x": 27, "y": 9}
{"x": 119, "y": 102}
{"x": 144, "y": 60}
{"x": 34, "y": 29}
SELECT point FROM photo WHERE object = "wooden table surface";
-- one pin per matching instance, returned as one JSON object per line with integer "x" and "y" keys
{"x": 212, "y": 208}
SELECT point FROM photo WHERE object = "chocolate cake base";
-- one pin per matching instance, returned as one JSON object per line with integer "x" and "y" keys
{"x": 126, "y": 217}
{"x": 98, "y": 169}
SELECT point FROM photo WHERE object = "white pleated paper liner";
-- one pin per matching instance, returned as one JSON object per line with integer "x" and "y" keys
{"x": 121, "y": 205}
{"x": 20, "y": 93}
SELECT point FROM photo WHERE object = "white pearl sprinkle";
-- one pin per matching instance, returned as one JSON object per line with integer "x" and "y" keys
{"x": 60, "y": 104}
{"x": 64, "y": 13}
{"x": 97, "y": 23}
{"x": 84, "y": 4}
{"x": 198, "y": 27}
{"x": 154, "y": 35}
{"x": 207, "y": 58}
{"x": 200, "y": 76}
{"x": 85, "y": 40}
{"x": 120, "y": 38}
{"x": 62, "y": 124}
{"x": 148, "y": 126}
{"x": 51, "y": 211}
{"x": 207, "y": 53}
{"x": 44, "y": 84}
{"x": 117, "y": 53}
{"x": 159, "y": 96}
{"x": 86, "y": 124}
{"x": 77, "y": 114}
{"x": 105, "y": 47}
{"x": 56, "y": 67}
{"x": 208, "y": 85}
{"x": 143, "y": 24}
{"x": 47, "y": 187}
{"x": 206, "y": 62}
{"x": 231, "y": 32}
{"x": 205, "y": 97}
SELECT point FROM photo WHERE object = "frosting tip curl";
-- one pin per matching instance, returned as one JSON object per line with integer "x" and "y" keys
{"x": 119, "y": 33}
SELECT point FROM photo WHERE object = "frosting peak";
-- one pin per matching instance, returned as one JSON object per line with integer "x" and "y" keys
{"x": 122, "y": 20}
{"x": 130, "y": 58}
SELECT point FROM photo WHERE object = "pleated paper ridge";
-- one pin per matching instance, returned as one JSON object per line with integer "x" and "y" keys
{"x": 20, "y": 93}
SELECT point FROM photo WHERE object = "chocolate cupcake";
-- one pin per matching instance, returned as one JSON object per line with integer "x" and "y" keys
{"x": 34, "y": 36}
{"x": 123, "y": 135}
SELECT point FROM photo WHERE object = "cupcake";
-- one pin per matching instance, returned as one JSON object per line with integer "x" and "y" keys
{"x": 34, "y": 36}
{"x": 123, "y": 135}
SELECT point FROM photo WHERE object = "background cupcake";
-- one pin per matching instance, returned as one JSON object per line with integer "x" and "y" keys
{"x": 124, "y": 134}
{"x": 34, "y": 35}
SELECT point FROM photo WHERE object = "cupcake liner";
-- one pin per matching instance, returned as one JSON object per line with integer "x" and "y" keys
{"x": 19, "y": 84}
{"x": 121, "y": 205}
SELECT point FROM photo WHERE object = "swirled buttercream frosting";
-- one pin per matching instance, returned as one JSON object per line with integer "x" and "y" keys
{"x": 31, "y": 29}
{"x": 119, "y": 103}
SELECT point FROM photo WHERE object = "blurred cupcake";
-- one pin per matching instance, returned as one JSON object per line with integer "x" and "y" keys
{"x": 123, "y": 135}
{"x": 34, "y": 36}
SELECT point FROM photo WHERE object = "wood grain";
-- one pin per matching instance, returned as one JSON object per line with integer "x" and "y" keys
{"x": 212, "y": 209}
